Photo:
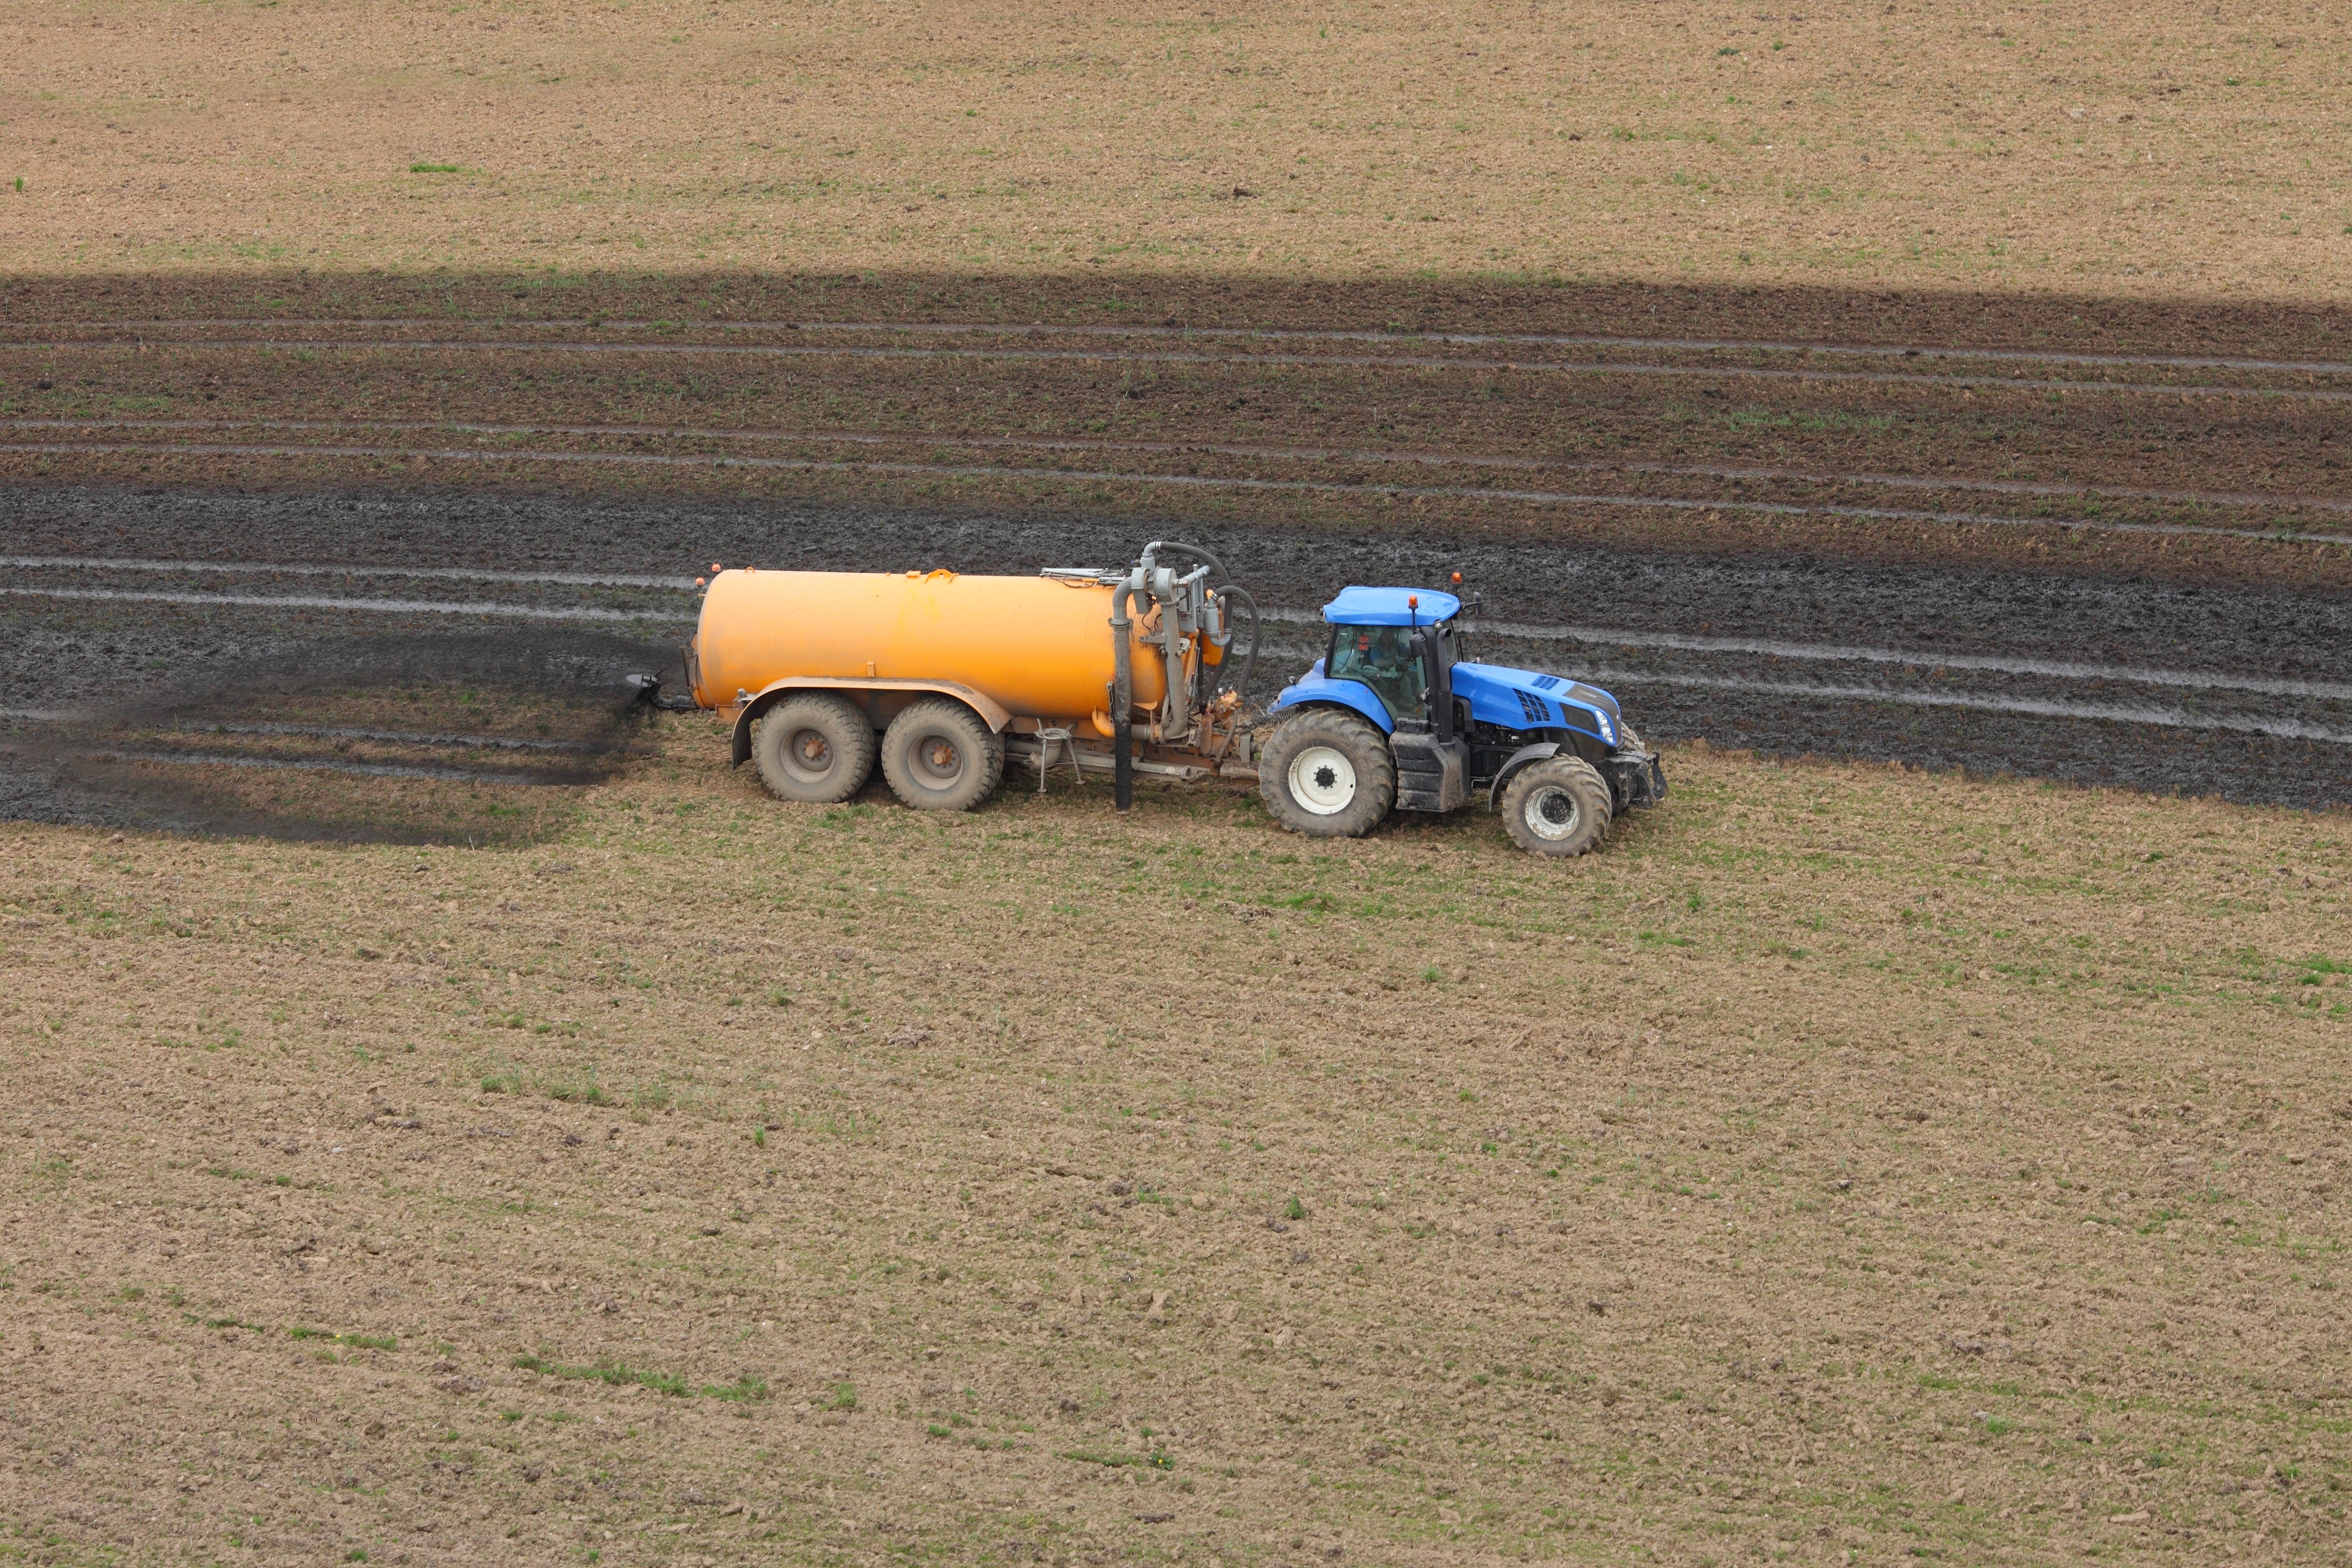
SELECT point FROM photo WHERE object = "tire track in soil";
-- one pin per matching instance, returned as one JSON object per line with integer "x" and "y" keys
{"x": 2257, "y": 451}
{"x": 95, "y": 332}
{"x": 1620, "y": 636}
{"x": 1597, "y": 499}
{"x": 2010, "y": 672}
{"x": 1173, "y": 357}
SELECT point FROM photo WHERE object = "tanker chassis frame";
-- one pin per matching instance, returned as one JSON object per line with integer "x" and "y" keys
{"x": 1393, "y": 716}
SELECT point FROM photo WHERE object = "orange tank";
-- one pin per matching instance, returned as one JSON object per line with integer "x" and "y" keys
{"x": 1039, "y": 646}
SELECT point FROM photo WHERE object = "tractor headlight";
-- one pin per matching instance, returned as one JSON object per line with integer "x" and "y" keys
{"x": 1608, "y": 730}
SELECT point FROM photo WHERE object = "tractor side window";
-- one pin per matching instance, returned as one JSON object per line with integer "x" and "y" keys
{"x": 1383, "y": 658}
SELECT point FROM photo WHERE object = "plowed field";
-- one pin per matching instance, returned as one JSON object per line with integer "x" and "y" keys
{"x": 452, "y": 1120}
{"x": 1845, "y": 1164}
{"x": 2043, "y": 150}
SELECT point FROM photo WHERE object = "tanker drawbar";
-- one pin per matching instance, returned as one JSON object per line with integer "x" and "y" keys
{"x": 942, "y": 680}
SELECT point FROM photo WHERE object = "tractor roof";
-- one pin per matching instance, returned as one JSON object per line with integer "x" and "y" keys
{"x": 1387, "y": 607}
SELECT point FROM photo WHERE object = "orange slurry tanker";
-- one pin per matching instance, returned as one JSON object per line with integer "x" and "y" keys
{"x": 943, "y": 679}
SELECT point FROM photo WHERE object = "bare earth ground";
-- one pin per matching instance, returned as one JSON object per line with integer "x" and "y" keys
{"x": 1413, "y": 437}
{"x": 2179, "y": 152}
{"x": 1847, "y": 1164}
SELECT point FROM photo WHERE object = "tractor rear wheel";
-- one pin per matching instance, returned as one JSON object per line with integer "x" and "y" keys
{"x": 939, "y": 756}
{"x": 1557, "y": 806}
{"x": 815, "y": 747}
{"x": 1328, "y": 773}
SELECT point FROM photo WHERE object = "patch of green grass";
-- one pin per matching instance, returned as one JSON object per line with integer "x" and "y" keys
{"x": 358, "y": 1341}
{"x": 844, "y": 1396}
{"x": 1158, "y": 1459}
{"x": 612, "y": 1373}
{"x": 1294, "y": 1209}
{"x": 434, "y": 168}
{"x": 580, "y": 1088}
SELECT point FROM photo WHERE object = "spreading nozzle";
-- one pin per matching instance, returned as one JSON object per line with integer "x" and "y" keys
{"x": 649, "y": 696}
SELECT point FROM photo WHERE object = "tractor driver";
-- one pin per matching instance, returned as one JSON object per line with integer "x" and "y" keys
{"x": 1384, "y": 658}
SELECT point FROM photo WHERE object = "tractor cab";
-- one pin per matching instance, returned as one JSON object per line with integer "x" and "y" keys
{"x": 1398, "y": 645}
{"x": 1394, "y": 671}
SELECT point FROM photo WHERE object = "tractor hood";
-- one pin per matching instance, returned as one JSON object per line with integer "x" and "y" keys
{"x": 1527, "y": 700}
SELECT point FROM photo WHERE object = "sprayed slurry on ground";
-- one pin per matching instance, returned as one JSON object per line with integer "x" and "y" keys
{"x": 1739, "y": 474}
{"x": 473, "y": 456}
{"x": 320, "y": 602}
{"x": 395, "y": 736}
{"x": 332, "y": 569}
{"x": 391, "y": 737}
{"x": 2003, "y": 672}
{"x": 1777, "y": 647}
{"x": 2108, "y": 713}
{"x": 320, "y": 765}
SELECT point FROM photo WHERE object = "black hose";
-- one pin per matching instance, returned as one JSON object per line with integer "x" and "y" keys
{"x": 1249, "y": 661}
{"x": 1177, "y": 547}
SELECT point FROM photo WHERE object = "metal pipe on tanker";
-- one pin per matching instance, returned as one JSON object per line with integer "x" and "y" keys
{"x": 1122, "y": 702}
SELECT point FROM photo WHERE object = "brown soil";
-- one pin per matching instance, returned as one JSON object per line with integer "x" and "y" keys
{"x": 1845, "y": 1160}
{"x": 1713, "y": 455}
{"x": 1933, "y": 146}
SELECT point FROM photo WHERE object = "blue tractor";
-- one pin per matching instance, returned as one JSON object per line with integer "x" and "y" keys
{"x": 1395, "y": 717}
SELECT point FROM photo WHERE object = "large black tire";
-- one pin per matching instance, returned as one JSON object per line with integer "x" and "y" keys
{"x": 815, "y": 747}
{"x": 1328, "y": 773}
{"x": 1557, "y": 806}
{"x": 939, "y": 756}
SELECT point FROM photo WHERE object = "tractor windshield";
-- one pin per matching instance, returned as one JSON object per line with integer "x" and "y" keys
{"x": 1384, "y": 658}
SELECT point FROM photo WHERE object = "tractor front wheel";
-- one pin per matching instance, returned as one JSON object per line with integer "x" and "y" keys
{"x": 1328, "y": 773}
{"x": 1557, "y": 806}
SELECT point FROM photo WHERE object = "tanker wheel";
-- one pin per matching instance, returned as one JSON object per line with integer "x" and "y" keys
{"x": 1328, "y": 773}
{"x": 815, "y": 747}
{"x": 1558, "y": 806}
{"x": 939, "y": 756}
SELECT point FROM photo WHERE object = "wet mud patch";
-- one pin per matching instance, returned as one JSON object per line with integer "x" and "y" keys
{"x": 472, "y": 739}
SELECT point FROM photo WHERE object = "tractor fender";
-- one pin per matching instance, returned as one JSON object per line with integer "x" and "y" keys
{"x": 992, "y": 713}
{"x": 1313, "y": 690}
{"x": 1513, "y": 763}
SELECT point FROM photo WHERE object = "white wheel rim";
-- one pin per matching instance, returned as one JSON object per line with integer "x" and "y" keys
{"x": 1322, "y": 781}
{"x": 1551, "y": 812}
